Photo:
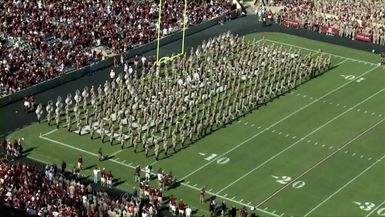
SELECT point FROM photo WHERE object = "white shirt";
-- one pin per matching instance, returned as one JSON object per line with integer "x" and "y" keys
{"x": 188, "y": 211}
{"x": 112, "y": 74}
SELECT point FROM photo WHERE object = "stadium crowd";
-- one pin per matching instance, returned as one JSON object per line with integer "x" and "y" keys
{"x": 42, "y": 39}
{"x": 56, "y": 193}
{"x": 360, "y": 20}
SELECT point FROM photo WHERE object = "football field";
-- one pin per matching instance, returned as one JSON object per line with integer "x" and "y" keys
{"x": 316, "y": 151}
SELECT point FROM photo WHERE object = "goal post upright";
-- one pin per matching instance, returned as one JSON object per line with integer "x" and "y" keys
{"x": 164, "y": 59}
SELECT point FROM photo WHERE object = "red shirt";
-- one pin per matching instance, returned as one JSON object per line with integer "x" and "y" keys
{"x": 181, "y": 205}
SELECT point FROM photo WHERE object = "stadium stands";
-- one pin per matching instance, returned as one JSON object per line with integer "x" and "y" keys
{"x": 54, "y": 193}
{"x": 359, "y": 20}
{"x": 42, "y": 41}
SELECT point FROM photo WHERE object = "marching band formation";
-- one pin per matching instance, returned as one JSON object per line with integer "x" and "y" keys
{"x": 170, "y": 106}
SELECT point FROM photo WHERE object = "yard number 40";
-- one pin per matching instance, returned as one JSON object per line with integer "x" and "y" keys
{"x": 369, "y": 206}
{"x": 352, "y": 77}
{"x": 221, "y": 160}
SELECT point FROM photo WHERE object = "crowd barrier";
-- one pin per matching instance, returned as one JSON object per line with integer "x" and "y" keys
{"x": 75, "y": 74}
{"x": 363, "y": 37}
{"x": 329, "y": 30}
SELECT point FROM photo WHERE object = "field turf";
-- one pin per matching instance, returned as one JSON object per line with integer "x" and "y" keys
{"x": 316, "y": 151}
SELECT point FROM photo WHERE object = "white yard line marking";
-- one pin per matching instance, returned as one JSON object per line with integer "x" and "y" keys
{"x": 358, "y": 110}
{"x": 375, "y": 209}
{"x": 117, "y": 152}
{"x": 344, "y": 186}
{"x": 301, "y": 139}
{"x": 276, "y": 123}
{"x": 50, "y": 132}
{"x": 320, "y": 162}
{"x": 304, "y": 48}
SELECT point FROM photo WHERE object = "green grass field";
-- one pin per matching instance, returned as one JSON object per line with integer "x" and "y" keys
{"x": 316, "y": 151}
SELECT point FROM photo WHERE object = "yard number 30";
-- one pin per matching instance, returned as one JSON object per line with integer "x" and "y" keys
{"x": 369, "y": 206}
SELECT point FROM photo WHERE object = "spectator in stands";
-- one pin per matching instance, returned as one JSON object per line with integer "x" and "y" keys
{"x": 42, "y": 40}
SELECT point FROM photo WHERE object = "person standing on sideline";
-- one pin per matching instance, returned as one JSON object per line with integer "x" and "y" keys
{"x": 80, "y": 162}
{"x": 137, "y": 174}
{"x": 202, "y": 195}
{"x": 96, "y": 175}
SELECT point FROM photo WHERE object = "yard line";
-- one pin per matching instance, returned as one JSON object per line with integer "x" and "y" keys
{"x": 344, "y": 186}
{"x": 84, "y": 151}
{"x": 276, "y": 123}
{"x": 117, "y": 152}
{"x": 299, "y": 140}
{"x": 231, "y": 200}
{"x": 321, "y": 161}
{"x": 52, "y": 131}
{"x": 308, "y": 49}
{"x": 375, "y": 209}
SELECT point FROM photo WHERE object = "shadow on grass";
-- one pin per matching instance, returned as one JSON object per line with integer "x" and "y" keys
{"x": 27, "y": 151}
{"x": 90, "y": 167}
{"x": 117, "y": 181}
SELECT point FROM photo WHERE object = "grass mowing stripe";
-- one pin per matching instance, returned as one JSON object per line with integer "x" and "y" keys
{"x": 276, "y": 123}
{"x": 320, "y": 162}
{"x": 308, "y": 49}
{"x": 344, "y": 186}
{"x": 375, "y": 209}
{"x": 299, "y": 140}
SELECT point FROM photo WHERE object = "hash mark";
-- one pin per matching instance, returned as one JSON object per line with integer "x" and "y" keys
{"x": 362, "y": 156}
{"x": 354, "y": 154}
{"x": 308, "y": 141}
{"x": 195, "y": 185}
{"x": 370, "y": 158}
{"x": 346, "y": 151}
{"x": 287, "y": 135}
{"x": 225, "y": 195}
{"x": 330, "y": 147}
{"x": 323, "y": 145}
{"x": 232, "y": 198}
{"x": 294, "y": 137}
